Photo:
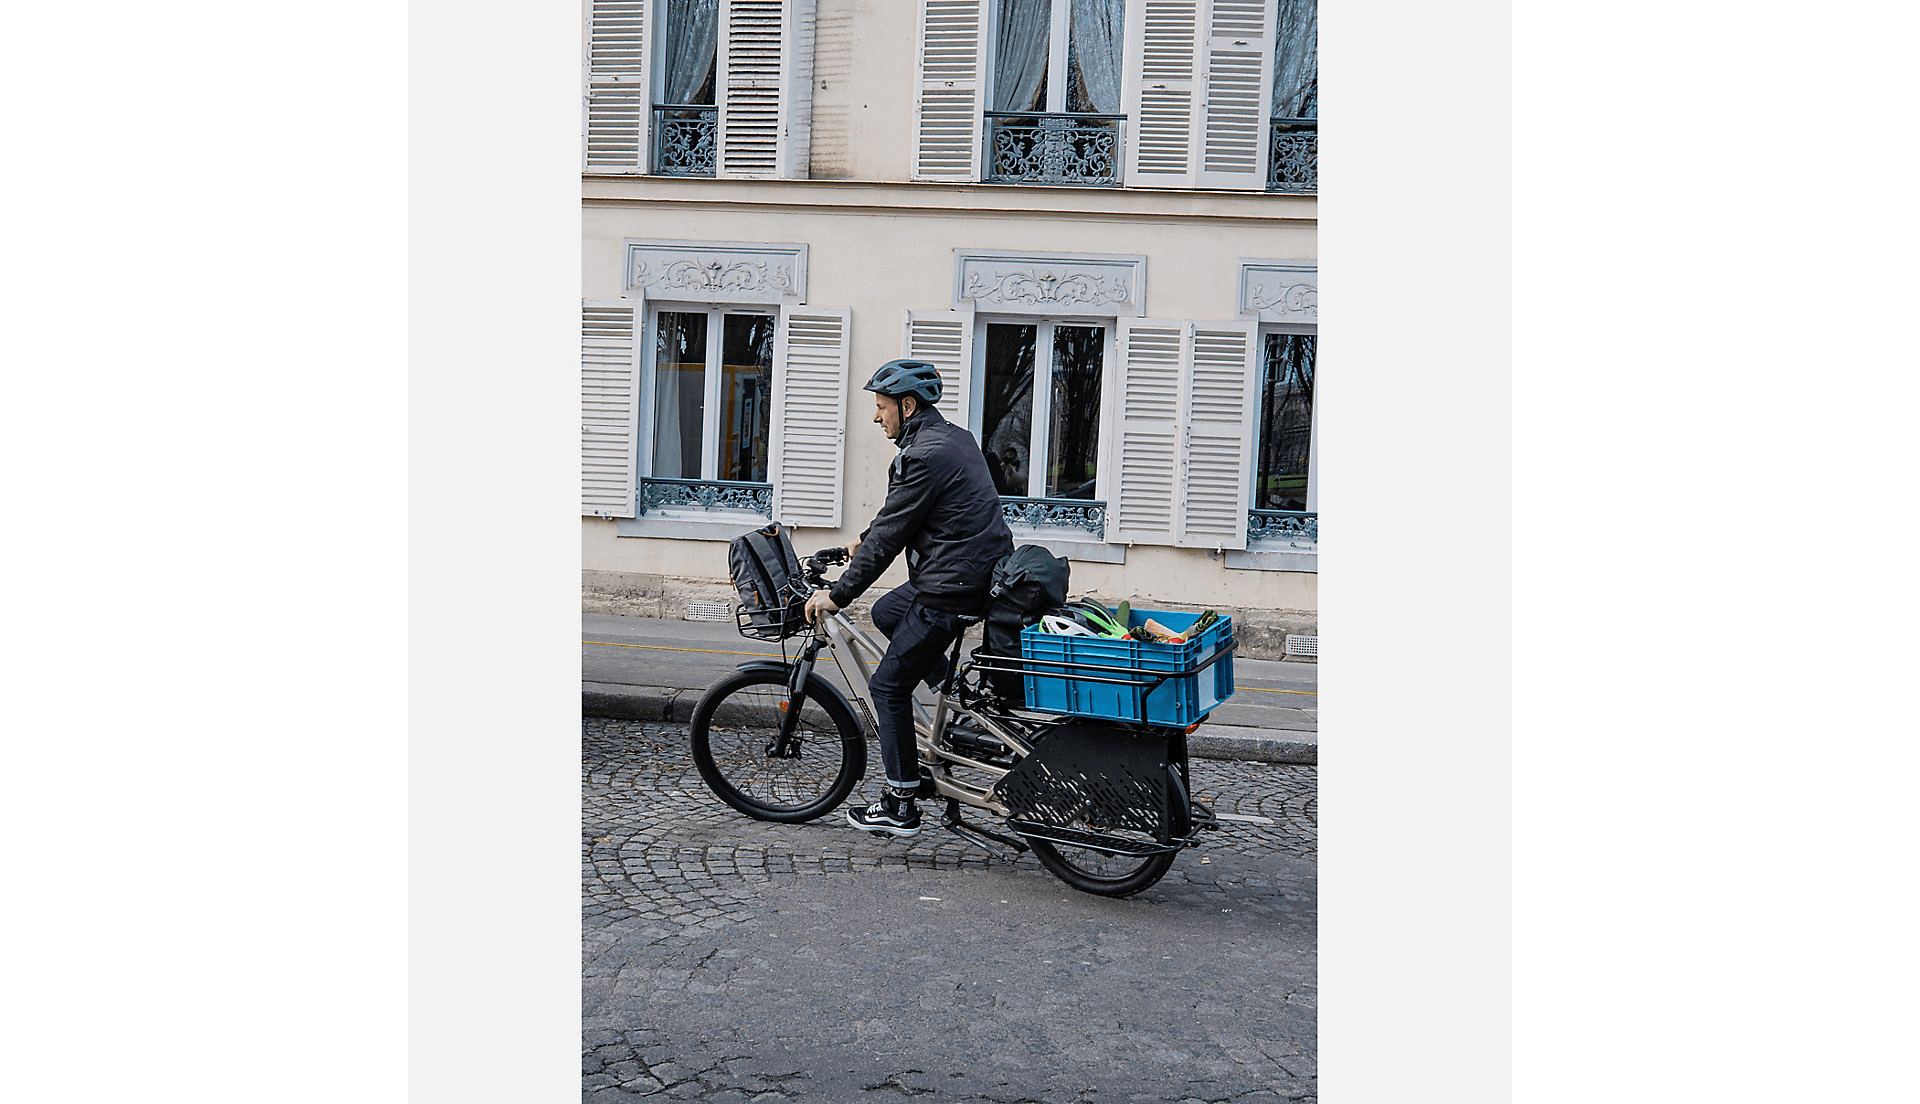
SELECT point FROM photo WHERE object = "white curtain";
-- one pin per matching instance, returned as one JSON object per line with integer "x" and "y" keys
{"x": 693, "y": 36}
{"x": 1097, "y": 42}
{"x": 1296, "y": 61}
{"x": 1020, "y": 64}
{"x": 667, "y": 445}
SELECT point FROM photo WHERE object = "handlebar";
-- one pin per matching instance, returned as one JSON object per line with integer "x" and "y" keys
{"x": 818, "y": 563}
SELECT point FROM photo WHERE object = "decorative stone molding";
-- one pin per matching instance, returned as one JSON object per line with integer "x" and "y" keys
{"x": 1056, "y": 283}
{"x": 1280, "y": 291}
{"x": 769, "y": 273}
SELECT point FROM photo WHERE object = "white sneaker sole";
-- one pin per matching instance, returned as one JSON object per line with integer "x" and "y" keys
{"x": 882, "y": 829}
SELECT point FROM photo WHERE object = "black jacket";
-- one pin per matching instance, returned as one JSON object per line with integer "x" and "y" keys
{"x": 944, "y": 511}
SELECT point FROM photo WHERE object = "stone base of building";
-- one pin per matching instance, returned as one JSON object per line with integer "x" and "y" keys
{"x": 1262, "y": 633}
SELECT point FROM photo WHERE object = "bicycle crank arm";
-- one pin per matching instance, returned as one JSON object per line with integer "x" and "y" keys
{"x": 981, "y": 837}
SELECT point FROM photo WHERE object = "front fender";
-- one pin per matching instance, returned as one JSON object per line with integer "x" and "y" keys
{"x": 816, "y": 686}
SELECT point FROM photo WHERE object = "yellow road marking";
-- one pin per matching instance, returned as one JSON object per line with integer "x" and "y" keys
{"x": 662, "y": 648}
{"x": 776, "y": 655}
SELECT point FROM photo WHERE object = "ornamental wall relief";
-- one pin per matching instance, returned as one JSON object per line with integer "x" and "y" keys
{"x": 1280, "y": 291}
{"x": 717, "y": 272}
{"x": 1059, "y": 283}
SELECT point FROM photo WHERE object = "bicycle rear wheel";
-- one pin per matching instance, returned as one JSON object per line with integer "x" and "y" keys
{"x": 734, "y": 729}
{"x": 1097, "y": 872}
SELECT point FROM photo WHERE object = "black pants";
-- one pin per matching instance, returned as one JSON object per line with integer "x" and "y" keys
{"x": 917, "y": 643}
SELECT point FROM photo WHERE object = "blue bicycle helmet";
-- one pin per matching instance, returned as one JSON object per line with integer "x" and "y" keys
{"x": 907, "y": 377}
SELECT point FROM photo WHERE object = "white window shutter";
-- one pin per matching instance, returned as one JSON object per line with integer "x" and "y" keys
{"x": 795, "y": 157}
{"x": 808, "y": 449}
{"x": 751, "y": 54}
{"x": 950, "y": 80}
{"x": 945, "y": 340}
{"x": 1160, "y": 90}
{"x": 1145, "y": 452}
{"x": 618, "y": 106}
{"x": 1218, "y": 405}
{"x": 609, "y": 405}
{"x": 1239, "y": 93}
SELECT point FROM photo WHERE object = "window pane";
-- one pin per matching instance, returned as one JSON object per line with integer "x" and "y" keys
{"x": 1286, "y": 423}
{"x": 691, "y": 29}
{"x": 1006, "y": 407}
{"x": 679, "y": 394}
{"x": 1073, "y": 412}
{"x": 746, "y": 395}
{"x": 1094, "y": 43}
{"x": 1020, "y": 56}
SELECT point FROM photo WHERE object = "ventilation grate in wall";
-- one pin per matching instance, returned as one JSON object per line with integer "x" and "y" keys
{"x": 1303, "y": 646}
{"x": 709, "y": 611}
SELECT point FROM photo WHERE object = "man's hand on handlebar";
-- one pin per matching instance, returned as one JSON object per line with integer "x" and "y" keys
{"x": 819, "y": 606}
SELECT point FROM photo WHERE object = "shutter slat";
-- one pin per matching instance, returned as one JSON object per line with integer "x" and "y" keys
{"x": 1152, "y": 354}
{"x": 1238, "y": 87}
{"x": 949, "y": 80}
{"x": 616, "y": 109}
{"x": 808, "y": 449}
{"x": 609, "y": 406}
{"x": 945, "y": 340}
{"x": 1220, "y": 401}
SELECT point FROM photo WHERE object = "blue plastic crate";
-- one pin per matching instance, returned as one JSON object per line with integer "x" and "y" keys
{"x": 1177, "y": 701}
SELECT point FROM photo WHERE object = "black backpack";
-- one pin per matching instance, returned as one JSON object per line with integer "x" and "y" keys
{"x": 766, "y": 572}
{"x": 1027, "y": 582}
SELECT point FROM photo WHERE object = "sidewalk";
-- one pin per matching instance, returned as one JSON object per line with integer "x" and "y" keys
{"x": 644, "y": 668}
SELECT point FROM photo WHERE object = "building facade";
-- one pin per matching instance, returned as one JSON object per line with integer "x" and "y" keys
{"x": 1097, "y": 216}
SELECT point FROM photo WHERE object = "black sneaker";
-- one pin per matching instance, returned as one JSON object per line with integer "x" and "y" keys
{"x": 892, "y": 815}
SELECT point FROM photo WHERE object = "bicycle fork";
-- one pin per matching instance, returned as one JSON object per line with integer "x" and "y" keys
{"x": 786, "y": 743}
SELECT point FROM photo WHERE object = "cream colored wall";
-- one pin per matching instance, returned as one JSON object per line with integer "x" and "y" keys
{"x": 862, "y": 124}
{"x": 882, "y": 260}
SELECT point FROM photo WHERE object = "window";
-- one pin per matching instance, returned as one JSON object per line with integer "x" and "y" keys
{"x": 1152, "y": 93}
{"x": 1056, "y": 92}
{"x": 1293, "y": 159}
{"x": 717, "y": 88}
{"x": 1283, "y": 462}
{"x": 1058, "y": 420}
{"x": 710, "y": 401}
{"x": 686, "y": 120}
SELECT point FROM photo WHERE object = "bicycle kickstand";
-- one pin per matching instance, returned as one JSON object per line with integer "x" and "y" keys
{"x": 978, "y": 836}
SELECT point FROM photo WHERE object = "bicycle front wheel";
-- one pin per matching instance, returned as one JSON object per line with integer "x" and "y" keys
{"x": 736, "y": 728}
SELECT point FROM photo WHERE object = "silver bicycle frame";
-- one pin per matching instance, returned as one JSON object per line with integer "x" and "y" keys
{"x": 856, "y": 654}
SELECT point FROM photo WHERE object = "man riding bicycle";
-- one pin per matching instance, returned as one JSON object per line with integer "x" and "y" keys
{"x": 943, "y": 510}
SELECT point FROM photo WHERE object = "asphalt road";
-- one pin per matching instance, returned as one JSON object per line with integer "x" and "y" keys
{"x": 726, "y": 959}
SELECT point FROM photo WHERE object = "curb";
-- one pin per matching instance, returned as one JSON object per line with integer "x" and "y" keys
{"x": 674, "y": 705}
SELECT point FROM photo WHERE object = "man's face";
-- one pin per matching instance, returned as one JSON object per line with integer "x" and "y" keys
{"x": 886, "y": 411}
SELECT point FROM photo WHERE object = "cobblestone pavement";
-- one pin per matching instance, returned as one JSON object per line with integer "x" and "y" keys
{"x": 726, "y": 959}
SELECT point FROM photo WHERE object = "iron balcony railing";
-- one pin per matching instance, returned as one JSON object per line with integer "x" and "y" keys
{"x": 684, "y": 138}
{"x": 1025, "y": 147}
{"x": 1293, "y": 162}
{"x": 1297, "y": 528}
{"x": 705, "y": 494}
{"x": 1061, "y": 513}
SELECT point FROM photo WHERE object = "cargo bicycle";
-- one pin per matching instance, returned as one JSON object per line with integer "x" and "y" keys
{"x": 1104, "y": 803}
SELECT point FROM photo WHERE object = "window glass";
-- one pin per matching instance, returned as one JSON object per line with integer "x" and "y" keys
{"x": 746, "y": 395}
{"x": 1073, "y": 411}
{"x": 1094, "y": 45}
{"x": 1296, "y": 61}
{"x": 679, "y": 394}
{"x": 1006, "y": 407}
{"x": 691, "y": 33}
{"x": 1286, "y": 423}
{"x": 1020, "y": 55}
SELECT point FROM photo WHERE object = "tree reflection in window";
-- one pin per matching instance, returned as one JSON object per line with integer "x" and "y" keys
{"x": 1006, "y": 407}
{"x": 1073, "y": 421}
{"x": 1286, "y": 423}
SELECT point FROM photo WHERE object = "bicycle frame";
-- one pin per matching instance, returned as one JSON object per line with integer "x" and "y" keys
{"x": 856, "y": 654}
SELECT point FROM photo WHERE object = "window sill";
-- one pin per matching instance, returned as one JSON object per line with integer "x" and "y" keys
{"x": 713, "y": 525}
{"x": 1258, "y": 558}
{"x": 1086, "y": 551}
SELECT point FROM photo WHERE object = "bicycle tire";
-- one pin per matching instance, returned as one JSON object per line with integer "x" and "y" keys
{"x": 736, "y": 720}
{"x": 1115, "y": 875}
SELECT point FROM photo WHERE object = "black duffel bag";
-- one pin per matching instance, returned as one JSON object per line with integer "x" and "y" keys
{"x": 766, "y": 573}
{"x": 1027, "y": 582}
